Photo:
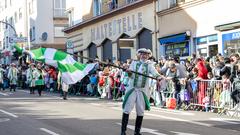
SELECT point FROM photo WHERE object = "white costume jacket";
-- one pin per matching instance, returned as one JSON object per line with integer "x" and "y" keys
{"x": 138, "y": 88}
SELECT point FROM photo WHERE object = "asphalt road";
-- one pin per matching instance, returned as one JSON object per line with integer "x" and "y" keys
{"x": 25, "y": 114}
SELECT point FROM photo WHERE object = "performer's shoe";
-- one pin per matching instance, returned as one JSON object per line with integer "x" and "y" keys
{"x": 125, "y": 118}
{"x": 64, "y": 95}
{"x": 138, "y": 125}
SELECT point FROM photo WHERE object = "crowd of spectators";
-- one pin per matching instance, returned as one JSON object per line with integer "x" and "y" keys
{"x": 181, "y": 80}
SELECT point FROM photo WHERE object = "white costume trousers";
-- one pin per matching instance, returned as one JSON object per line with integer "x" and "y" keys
{"x": 136, "y": 98}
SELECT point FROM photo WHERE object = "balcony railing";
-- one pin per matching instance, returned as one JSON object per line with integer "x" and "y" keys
{"x": 114, "y": 4}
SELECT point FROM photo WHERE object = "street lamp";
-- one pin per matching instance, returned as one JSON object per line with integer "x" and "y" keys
{"x": 10, "y": 26}
{"x": 15, "y": 33}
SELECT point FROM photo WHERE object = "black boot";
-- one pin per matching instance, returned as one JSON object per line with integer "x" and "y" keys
{"x": 125, "y": 118}
{"x": 31, "y": 91}
{"x": 64, "y": 95}
{"x": 138, "y": 125}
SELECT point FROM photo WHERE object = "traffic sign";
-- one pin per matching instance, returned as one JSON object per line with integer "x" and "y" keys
{"x": 69, "y": 44}
{"x": 18, "y": 39}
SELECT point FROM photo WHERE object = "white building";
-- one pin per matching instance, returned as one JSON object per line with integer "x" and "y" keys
{"x": 41, "y": 21}
{"x": 207, "y": 27}
{"x": 111, "y": 29}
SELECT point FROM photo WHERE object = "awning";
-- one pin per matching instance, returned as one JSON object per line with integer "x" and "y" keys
{"x": 229, "y": 26}
{"x": 173, "y": 39}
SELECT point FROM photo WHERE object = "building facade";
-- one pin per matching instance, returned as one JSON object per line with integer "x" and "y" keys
{"x": 111, "y": 29}
{"x": 40, "y": 21}
{"x": 206, "y": 27}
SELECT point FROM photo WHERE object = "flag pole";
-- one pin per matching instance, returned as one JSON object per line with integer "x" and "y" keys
{"x": 108, "y": 64}
{"x": 111, "y": 64}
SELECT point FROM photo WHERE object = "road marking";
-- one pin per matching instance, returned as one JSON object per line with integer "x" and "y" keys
{"x": 49, "y": 131}
{"x": 171, "y": 118}
{"x": 4, "y": 94}
{"x": 4, "y": 119}
{"x": 8, "y": 113}
{"x": 95, "y": 104}
{"x": 144, "y": 130}
{"x": 28, "y": 98}
{"x": 115, "y": 103}
{"x": 25, "y": 91}
{"x": 177, "y": 119}
{"x": 172, "y": 111}
{"x": 182, "y": 133}
{"x": 162, "y": 110}
{"x": 116, "y": 108}
{"x": 230, "y": 121}
{"x": 154, "y": 131}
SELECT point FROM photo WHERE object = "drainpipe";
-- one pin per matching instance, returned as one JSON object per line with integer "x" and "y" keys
{"x": 155, "y": 27}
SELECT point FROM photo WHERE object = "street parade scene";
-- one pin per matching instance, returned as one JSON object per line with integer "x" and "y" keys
{"x": 119, "y": 67}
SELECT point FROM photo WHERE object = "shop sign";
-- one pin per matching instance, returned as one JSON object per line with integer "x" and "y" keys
{"x": 236, "y": 35}
{"x": 117, "y": 26}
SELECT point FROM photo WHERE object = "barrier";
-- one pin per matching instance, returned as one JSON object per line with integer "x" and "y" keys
{"x": 212, "y": 94}
{"x": 235, "y": 95}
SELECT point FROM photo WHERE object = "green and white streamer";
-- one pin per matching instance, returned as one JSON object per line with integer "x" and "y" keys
{"x": 72, "y": 71}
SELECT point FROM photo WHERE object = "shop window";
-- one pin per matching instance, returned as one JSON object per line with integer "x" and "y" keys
{"x": 202, "y": 40}
{"x": 213, "y": 50}
{"x": 212, "y": 38}
{"x": 205, "y": 39}
{"x": 202, "y": 52}
{"x": 179, "y": 49}
{"x": 232, "y": 46}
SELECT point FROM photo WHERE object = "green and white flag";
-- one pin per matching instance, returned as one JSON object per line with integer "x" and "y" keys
{"x": 72, "y": 71}
{"x": 18, "y": 48}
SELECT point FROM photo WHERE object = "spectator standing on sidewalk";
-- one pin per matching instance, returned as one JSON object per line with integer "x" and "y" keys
{"x": 13, "y": 77}
{"x": 62, "y": 85}
{"x": 30, "y": 77}
{"x": 39, "y": 79}
{"x": 1, "y": 77}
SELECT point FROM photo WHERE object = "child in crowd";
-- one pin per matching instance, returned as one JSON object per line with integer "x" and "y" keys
{"x": 206, "y": 101}
{"x": 225, "y": 95}
{"x": 102, "y": 85}
{"x": 211, "y": 86}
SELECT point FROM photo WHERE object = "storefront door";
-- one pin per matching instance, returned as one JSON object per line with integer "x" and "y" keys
{"x": 212, "y": 50}
{"x": 125, "y": 53}
{"x": 107, "y": 50}
{"x": 145, "y": 39}
{"x": 92, "y": 50}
